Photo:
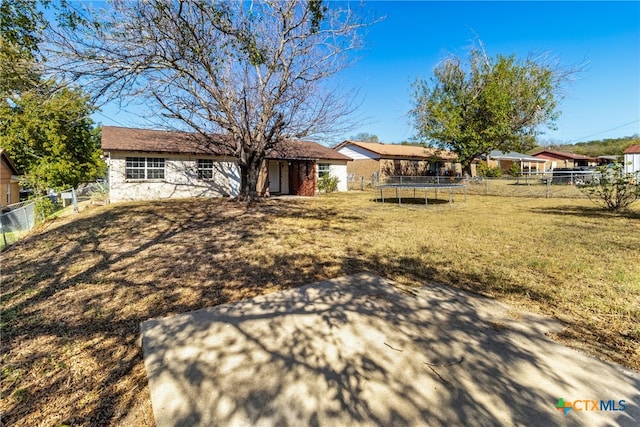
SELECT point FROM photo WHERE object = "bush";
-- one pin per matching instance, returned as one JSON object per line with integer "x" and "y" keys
{"x": 485, "y": 171}
{"x": 514, "y": 170}
{"x": 613, "y": 188}
{"x": 328, "y": 183}
{"x": 44, "y": 208}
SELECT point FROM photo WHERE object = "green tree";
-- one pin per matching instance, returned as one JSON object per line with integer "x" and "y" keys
{"x": 491, "y": 103}
{"x": 365, "y": 137}
{"x": 44, "y": 126}
{"x": 50, "y": 136}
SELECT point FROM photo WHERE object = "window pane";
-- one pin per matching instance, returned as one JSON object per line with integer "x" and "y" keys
{"x": 135, "y": 174}
{"x": 155, "y": 173}
{"x": 323, "y": 169}
{"x": 155, "y": 163}
{"x": 134, "y": 168}
{"x": 205, "y": 168}
{"x": 135, "y": 162}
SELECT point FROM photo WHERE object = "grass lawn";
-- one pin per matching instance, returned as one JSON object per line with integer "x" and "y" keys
{"x": 75, "y": 291}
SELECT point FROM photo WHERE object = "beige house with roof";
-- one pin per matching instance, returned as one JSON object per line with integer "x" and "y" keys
{"x": 9, "y": 182}
{"x": 154, "y": 164}
{"x": 374, "y": 159}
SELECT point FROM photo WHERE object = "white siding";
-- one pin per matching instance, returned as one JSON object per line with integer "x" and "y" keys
{"x": 632, "y": 163}
{"x": 339, "y": 170}
{"x": 180, "y": 179}
{"x": 357, "y": 153}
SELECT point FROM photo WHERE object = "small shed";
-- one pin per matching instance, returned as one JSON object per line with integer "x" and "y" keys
{"x": 632, "y": 159}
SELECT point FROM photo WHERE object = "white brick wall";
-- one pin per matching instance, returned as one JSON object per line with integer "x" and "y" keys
{"x": 180, "y": 178}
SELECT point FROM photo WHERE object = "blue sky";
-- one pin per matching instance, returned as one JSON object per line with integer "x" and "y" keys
{"x": 603, "y": 102}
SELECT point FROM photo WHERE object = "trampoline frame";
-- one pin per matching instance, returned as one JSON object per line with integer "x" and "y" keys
{"x": 423, "y": 186}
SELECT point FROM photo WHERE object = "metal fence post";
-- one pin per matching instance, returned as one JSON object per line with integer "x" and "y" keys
{"x": 26, "y": 216}
{"x": 74, "y": 198}
{"x": 549, "y": 187}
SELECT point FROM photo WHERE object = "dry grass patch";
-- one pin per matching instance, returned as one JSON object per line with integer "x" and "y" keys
{"x": 75, "y": 291}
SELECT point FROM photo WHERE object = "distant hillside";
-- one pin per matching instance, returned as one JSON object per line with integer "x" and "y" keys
{"x": 603, "y": 147}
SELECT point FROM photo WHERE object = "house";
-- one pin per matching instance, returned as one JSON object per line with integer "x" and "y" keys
{"x": 607, "y": 160}
{"x": 9, "y": 184}
{"x": 156, "y": 164}
{"x": 632, "y": 159}
{"x": 378, "y": 160}
{"x": 525, "y": 163}
{"x": 295, "y": 167}
{"x": 558, "y": 159}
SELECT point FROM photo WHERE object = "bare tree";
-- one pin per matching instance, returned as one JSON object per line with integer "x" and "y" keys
{"x": 257, "y": 72}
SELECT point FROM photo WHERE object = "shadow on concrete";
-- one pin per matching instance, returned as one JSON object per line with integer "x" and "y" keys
{"x": 360, "y": 351}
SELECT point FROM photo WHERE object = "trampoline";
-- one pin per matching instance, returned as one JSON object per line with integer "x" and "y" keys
{"x": 426, "y": 186}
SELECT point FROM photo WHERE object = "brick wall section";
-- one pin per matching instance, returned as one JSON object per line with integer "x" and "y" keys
{"x": 363, "y": 168}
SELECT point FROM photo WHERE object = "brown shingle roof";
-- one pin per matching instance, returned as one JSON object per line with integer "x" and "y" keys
{"x": 156, "y": 141}
{"x": 634, "y": 149}
{"x": 305, "y": 150}
{"x": 159, "y": 141}
{"x": 400, "y": 151}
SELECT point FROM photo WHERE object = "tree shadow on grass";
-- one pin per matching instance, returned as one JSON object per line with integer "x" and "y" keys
{"x": 75, "y": 292}
{"x": 588, "y": 212}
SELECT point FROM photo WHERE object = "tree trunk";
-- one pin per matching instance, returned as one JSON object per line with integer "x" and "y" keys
{"x": 466, "y": 169}
{"x": 249, "y": 174}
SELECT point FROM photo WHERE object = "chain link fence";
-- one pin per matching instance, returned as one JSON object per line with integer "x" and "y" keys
{"x": 361, "y": 183}
{"x": 556, "y": 184}
{"x": 553, "y": 184}
{"x": 17, "y": 219}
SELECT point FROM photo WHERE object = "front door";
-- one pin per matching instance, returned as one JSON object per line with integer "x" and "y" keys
{"x": 274, "y": 177}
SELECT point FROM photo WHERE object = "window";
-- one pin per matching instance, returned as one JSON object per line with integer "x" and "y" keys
{"x": 323, "y": 169}
{"x": 144, "y": 168}
{"x": 205, "y": 169}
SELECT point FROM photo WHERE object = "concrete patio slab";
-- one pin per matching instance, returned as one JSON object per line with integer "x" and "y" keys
{"x": 360, "y": 351}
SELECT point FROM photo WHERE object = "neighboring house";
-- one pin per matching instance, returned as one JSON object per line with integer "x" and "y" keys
{"x": 505, "y": 161}
{"x": 632, "y": 159}
{"x": 9, "y": 184}
{"x": 154, "y": 164}
{"x": 558, "y": 159}
{"x": 606, "y": 160}
{"x": 381, "y": 160}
